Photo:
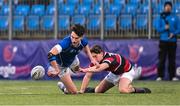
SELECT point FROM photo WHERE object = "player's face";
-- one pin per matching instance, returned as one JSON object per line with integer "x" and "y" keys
{"x": 75, "y": 39}
{"x": 167, "y": 8}
{"x": 97, "y": 57}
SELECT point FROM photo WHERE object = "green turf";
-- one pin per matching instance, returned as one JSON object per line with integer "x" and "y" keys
{"x": 47, "y": 93}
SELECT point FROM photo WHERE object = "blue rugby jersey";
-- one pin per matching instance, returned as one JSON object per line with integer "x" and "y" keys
{"x": 68, "y": 53}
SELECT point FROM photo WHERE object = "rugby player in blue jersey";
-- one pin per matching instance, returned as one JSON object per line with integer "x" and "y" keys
{"x": 63, "y": 58}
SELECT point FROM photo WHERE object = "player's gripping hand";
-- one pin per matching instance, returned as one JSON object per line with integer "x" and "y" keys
{"x": 83, "y": 70}
{"x": 94, "y": 62}
{"x": 51, "y": 73}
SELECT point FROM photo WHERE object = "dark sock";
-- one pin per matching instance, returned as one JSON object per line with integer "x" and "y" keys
{"x": 142, "y": 90}
{"x": 89, "y": 90}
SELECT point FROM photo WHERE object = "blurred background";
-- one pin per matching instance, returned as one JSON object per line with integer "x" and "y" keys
{"x": 29, "y": 28}
{"x": 104, "y": 19}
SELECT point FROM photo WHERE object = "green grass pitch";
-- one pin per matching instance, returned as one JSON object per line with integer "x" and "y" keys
{"x": 47, "y": 93}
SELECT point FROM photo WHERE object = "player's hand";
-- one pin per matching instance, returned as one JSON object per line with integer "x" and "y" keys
{"x": 80, "y": 92}
{"x": 94, "y": 62}
{"x": 52, "y": 73}
{"x": 83, "y": 70}
{"x": 171, "y": 36}
{"x": 167, "y": 26}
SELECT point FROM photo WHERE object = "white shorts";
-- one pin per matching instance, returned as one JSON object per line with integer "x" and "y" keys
{"x": 112, "y": 78}
{"x": 65, "y": 70}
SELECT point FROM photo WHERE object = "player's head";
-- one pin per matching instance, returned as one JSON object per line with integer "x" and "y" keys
{"x": 167, "y": 6}
{"x": 97, "y": 53}
{"x": 77, "y": 32}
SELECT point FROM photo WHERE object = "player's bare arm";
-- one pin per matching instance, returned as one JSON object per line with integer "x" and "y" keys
{"x": 94, "y": 69}
{"x": 87, "y": 51}
{"x": 54, "y": 51}
{"x": 85, "y": 82}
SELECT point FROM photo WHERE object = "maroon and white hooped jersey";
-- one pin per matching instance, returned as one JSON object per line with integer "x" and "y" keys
{"x": 117, "y": 63}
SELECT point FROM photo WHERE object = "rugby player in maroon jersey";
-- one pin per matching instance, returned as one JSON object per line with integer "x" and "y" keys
{"x": 121, "y": 73}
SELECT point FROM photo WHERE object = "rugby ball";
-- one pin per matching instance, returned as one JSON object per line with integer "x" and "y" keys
{"x": 37, "y": 72}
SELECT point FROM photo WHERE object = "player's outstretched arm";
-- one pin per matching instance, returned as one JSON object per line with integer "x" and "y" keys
{"x": 94, "y": 69}
{"x": 85, "y": 82}
{"x": 87, "y": 51}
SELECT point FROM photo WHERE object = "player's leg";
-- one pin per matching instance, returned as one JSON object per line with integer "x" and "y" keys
{"x": 125, "y": 83}
{"x": 125, "y": 86}
{"x": 75, "y": 65}
{"x": 68, "y": 83}
{"x": 65, "y": 77}
{"x": 103, "y": 86}
{"x": 108, "y": 82}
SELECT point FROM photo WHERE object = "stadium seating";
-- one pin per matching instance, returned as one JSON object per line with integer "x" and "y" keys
{"x": 153, "y": 2}
{"x": 141, "y": 22}
{"x": 163, "y": 1}
{"x": 47, "y": 23}
{"x": 1, "y": 2}
{"x": 22, "y": 10}
{"x": 18, "y": 23}
{"x": 158, "y": 8}
{"x": 50, "y": 9}
{"x": 78, "y": 19}
{"x": 60, "y": 2}
{"x": 38, "y": 10}
{"x": 176, "y": 8}
{"x": 84, "y": 9}
{"x": 67, "y": 9}
{"x": 96, "y": 9}
{"x": 125, "y": 21}
{"x": 143, "y": 9}
{"x": 110, "y": 22}
{"x": 115, "y": 9}
{"x": 63, "y": 22}
{"x": 130, "y": 9}
{"x": 136, "y": 2}
{"x": 4, "y": 10}
{"x": 88, "y": 2}
{"x": 106, "y": 2}
{"x": 72, "y": 2}
{"x": 93, "y": 22}
{"x": 3, "y": 23}
{"x": 32, "y": 23}
{"x": 155, "y": 21}
{"x": 119, "y": 1}
{"x": 121, "y": 14}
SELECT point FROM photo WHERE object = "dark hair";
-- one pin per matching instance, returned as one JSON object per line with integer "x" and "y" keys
{"x": 78, "y": 29}
{"x": 96, "y": 49}
{"x": 168, "y": 3}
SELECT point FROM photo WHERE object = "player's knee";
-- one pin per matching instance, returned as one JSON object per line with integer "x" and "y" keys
{"x": 124, "y": 90}
{"x": 98, "y": 90}
{"x": 72, "y": 92}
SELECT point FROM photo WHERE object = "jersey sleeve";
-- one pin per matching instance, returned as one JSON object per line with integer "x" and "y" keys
{"x": 64, "y": 43}
{"x": 84, "y": 41}
{"x": 109, "y": 60}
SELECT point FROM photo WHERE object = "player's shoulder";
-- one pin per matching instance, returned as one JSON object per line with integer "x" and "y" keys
{"x": 66, "y": 39}
{"x": 65, "y": 42}
{"x": 109, "y": 56}
{"x": 84, "y": 41}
